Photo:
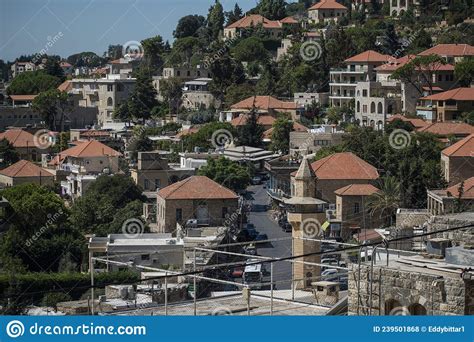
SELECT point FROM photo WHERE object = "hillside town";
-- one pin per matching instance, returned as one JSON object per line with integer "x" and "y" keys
{"x": 299, "y": 158}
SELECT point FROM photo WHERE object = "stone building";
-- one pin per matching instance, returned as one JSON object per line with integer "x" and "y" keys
{"x": 352, "y": 209}
{"x": 339, "y": 170}
{"x": 457, "y": 160}
{"x": 195, "y": 198}
{"x": 459, "y": 197}
{"x": 25, "y": 171}
{"x": 411, "y": 286}
{"x": 154, "y": 172}
{"x": 305, "y": 214}
{"x": 25, "y": 143}
{"x": 326, "y": 11}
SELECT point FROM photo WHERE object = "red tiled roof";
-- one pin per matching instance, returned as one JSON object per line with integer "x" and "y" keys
{"x": 448, "y": 128}
{"x": 65, "y": 86}
{"x": 189, "y": 131}
{"x": 91, "y": 148}
{"x": 345, "y": 165}
{"x": 357, "y": 190}
{"x": 18, "y": 138}
{"x": 65, "y": 65}
{"x": 297, "y": 127}
{"x": 196, "y": 187}
{"x": 394, "y": 64}
{"x": 264, "y": 120}
{"x": 369, "y": 56}
{"x": 254, "y": 20}
{"x": 462, "y": 148}
{"x": 95, "y": 133}
{"x": 451, "y": 50}
{"x": 264, "y": 102}
{"x": 327, "y": 4}
{"x": 289, "y": 20}
{"x": 468, "y": 189}
{"x": 416, "y": 122}
{"x": 368, "y": 235}
{"x": 458, "y": 94}
{"x": 23, "y": 97}
{"x": 25, "y": 168}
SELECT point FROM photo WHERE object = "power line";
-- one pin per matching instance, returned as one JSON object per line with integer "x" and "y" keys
{"x": 191, "y": 273}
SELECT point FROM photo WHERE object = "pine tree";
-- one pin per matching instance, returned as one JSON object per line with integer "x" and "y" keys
{"x": 215, "y": 20}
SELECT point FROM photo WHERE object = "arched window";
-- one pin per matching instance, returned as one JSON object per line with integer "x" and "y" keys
{"x": 394, "y": 308}
{"x": 372, "y": 107}
{"x": 417, "y": 309}
{"x": 379, "y": 108}
{"x": 379, "y": 125}
{"x": 358, "y": 107}
{"x": 372, "y": 123}
{"x": 389, "y": 109}
{"x": 110, "y": 102}
{"x": 358, "y": 92}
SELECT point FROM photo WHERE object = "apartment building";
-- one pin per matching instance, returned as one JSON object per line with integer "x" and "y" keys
{"x": 446, "y": 106}
{"x": 359, "y": 68}
{"x": 20, "y": 67}
{"x": 196, "y": 94}
{"x": 399, "y": 7}
{"x": 375, "y": 102}
{"x": 326, "y": 11}
{"x": 105, "y": 94}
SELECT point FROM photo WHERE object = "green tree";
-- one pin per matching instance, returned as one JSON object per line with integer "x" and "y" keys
{"x": 32, "y": 83}
{"x": 233, "y": 16}
{"x": 122, "y": 113}
{"x": 464, "y": 71}
{"x": 140, "y": 143}
{"x": 172, "y": 91}
{"x": 143, "y": 98}
{"x": 250, "y": 50}
{"x": 188, "y": 26}
{"x": 106, "y": 205}
{"x": 391, "y": 43}
{"x": 386, "y": 201}
{"x": 115, "y": 51}
{"x": 51, "y": 105}
{"x": 227, "y": 173}
{"x": 53, "y": 68}
{"x": 281, "y": 135}
{"x": 153, "y": 49}
{"x": 272, "y": 9}
{"x": 215, "y": 20}
{"x": 251, "y": 133}
{"x": 419, "y": 71}
{"x": 8, "y": 154}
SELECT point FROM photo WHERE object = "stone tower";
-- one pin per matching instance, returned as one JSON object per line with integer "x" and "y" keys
{"x": 306, "y": 214}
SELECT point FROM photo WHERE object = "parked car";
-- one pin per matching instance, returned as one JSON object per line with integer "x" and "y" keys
{"x": 251, "y": 250}
{"x": 256, "y": 180}
{"x": 287, "y": 227}
{"x": 237, "y": 272}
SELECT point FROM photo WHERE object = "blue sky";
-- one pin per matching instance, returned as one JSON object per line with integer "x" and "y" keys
{"x": 26, "y": 26}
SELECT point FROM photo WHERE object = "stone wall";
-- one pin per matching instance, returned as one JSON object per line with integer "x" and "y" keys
{"x": 399, "y": 292}
{"x": 463, "y": 237}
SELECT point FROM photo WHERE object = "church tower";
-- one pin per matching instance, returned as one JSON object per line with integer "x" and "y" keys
{"x": 306, "y": 214}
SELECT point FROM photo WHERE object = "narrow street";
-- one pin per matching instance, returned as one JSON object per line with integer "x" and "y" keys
{"x": 264, "y": 224}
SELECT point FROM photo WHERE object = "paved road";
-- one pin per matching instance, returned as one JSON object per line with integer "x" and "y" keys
{"x": 260, "y": 217}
